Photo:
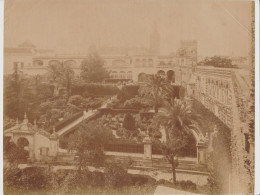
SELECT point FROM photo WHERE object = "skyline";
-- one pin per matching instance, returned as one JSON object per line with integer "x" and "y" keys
{"x": 221, "y": 28}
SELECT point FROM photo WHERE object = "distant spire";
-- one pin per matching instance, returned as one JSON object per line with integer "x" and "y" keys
{"x": 25, "y": 116}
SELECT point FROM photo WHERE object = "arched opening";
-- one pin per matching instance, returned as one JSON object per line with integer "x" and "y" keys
{"x": 161, "y": 73}
{"x": 37, "y": 63}
{"x": 23, "y": 147}
{"x": 70, "y": 63}
{"x": 171, "y": 76}
{"x": 142, "y": 77}
{"x": 22, "y": 143}
{"x": 113, "y": 74}
{"x": 122, "y": 75}
{"x": 54, "y": 63}
{"x": 129, "y": 75}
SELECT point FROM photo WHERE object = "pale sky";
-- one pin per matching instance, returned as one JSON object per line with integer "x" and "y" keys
{"x": 220, "y": 27}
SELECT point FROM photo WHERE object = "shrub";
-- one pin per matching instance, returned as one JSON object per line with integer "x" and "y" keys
{"x": 76, "y": 100}
{"x": 116, "y": 176}
{"x": 97, "y": 179}
{"x": 142, "y": 180}
{"x": 30, "y": 178}
{"x": 129, "y": 122}
{"x": 94, "y": 89}
{"x": 139, "y": 103}
{"x": 187, "y": 185}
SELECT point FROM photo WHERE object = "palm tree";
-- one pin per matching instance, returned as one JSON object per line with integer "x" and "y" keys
{"x": 180, "y": 123}
{"x": 55, "y": 75}
{"x": 66, "y": 77}
{"x": 61, "y": 74}
{"x": 155, "y": 88}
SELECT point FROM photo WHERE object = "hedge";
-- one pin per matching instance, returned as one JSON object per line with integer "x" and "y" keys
{"x": 95, "y": 89}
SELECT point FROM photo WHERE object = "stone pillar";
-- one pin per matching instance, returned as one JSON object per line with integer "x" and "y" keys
{"x": 54, "y": 144}
{"x": 201, "y": 153}
{"x": 147, "y": 151}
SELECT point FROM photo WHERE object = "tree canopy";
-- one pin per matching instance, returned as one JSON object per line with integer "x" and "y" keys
{"x": 88, "y": 141}
{"x": 217, "y": 61}
{"x": 92, "y": 69}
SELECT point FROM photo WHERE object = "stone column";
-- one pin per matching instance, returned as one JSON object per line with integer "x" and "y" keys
{"x": 147, "y": 151}
{"x": 54, "y": 144}
{"x": 201, "y": 153}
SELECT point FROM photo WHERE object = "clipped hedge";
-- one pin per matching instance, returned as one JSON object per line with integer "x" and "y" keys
{"x": 94, "y": 89}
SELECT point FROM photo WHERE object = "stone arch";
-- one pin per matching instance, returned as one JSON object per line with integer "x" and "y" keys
{"x": 22, "y": 142}
{"x": 161, "y": 73}
{"x": 122, "y": 74}
{"x": 171, "y": 75}
{"x": 37, "y": 63}
{"x": 114, "y": 74}
{"x": 70, "y": 63}
{"x": 129, "y": 74}
{"x": 54, "y": 63}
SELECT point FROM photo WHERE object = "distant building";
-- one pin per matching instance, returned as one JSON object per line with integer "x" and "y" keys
{"x": 123, "y": 63}
{"x": 21, "y": 56}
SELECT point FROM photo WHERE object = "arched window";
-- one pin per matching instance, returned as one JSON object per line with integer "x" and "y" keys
{"x": 129, "y": 75}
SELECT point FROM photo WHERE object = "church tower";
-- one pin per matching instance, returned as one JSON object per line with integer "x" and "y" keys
{"x": 155, "y": 41}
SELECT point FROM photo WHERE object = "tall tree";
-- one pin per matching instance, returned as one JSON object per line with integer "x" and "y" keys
{"x": 155, "y": 88}
{"x": 88, "y": 141}
{"x": 67, "y": 75}
{"x": 55, "y": 74}
{"x": 92, "y": 69}
{"x": 179, "y": 122}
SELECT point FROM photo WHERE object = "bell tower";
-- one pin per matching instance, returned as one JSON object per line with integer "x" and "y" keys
{"x": 155, "y": 41}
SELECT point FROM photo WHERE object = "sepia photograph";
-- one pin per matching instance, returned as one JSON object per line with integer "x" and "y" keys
{"x": 119, "y": 97}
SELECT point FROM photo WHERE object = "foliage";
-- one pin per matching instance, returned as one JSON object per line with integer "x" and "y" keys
{"x": 220, "y": 159}
{"x": 179, "y": 122}
{"x": 88, "y": 90}
{"x": 76, "y": 100}
{"x": 129, "y": 122}
{"x": 116, "y": 176}
{"x": 92, "y": 69}
{"x": 156, "y": 89}
{"x": 13, "y": 153}
{"x": 88, "y": 141}
{"x": 128, "y": 92}
{"x": 30, "y": 178}
{"x": 138, "y": 102}
{"x": 217, "y": 61}
{"x": 115, "y": 180}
